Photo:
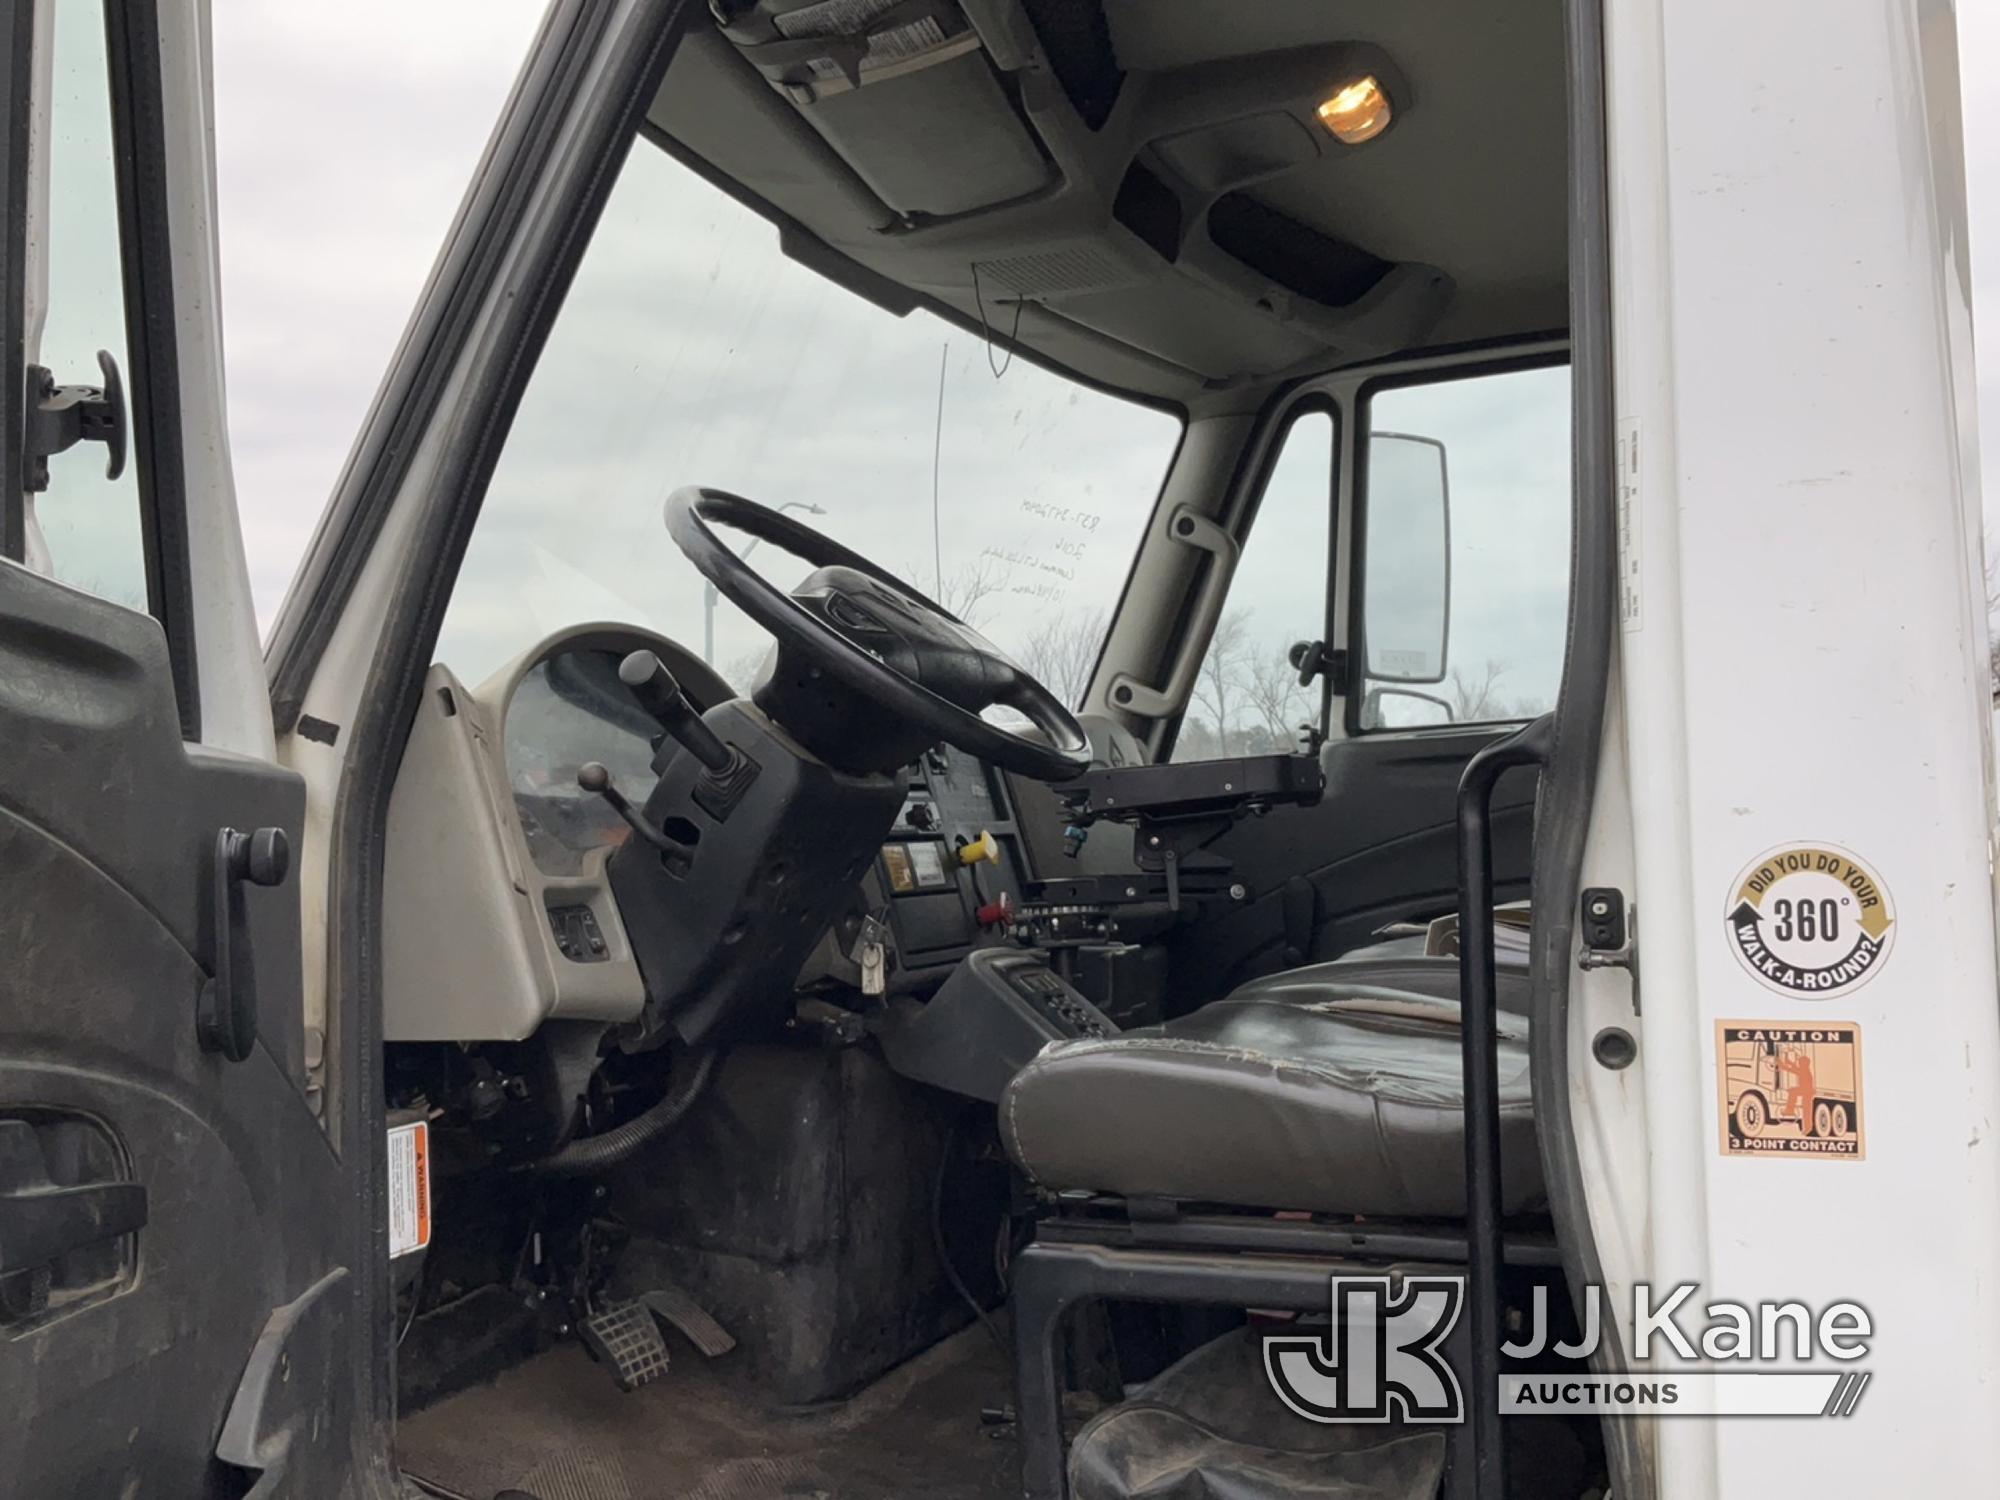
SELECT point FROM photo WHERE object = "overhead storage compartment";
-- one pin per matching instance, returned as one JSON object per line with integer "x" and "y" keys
{"x": 903, "y": 90}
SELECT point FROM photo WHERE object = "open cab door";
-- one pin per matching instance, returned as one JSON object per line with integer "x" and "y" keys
{"x": 185, "y": 1224}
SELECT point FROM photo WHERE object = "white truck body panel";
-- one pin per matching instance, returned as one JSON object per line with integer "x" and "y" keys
{"x": 1794, "y": 368}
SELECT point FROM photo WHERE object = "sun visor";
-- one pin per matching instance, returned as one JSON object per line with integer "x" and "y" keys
{"x": 903, "y": 90}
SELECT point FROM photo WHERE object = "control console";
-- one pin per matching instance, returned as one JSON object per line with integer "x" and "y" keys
{"x": 997, "y": 1010}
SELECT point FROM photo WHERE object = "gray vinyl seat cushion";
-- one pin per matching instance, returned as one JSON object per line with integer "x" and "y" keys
{"x": 1398, "y": 963}
{"x": 1339, "y": 1098}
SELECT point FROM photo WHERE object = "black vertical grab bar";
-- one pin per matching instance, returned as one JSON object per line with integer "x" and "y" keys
{"x": 1528, "y": 746}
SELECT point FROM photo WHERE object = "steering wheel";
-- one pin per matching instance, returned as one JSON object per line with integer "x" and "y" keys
{"x": 869, "y": 631}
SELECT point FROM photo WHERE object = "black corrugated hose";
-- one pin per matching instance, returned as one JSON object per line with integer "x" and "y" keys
{"x": 600, "y": 1153}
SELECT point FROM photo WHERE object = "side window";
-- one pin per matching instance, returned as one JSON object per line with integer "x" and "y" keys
{"x": 89, "y": 526}
{"x": 1247, "y": 699}
{"x": 1465, "y": 554}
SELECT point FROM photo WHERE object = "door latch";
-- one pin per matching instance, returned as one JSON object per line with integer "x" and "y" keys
{"x": 226, "y": 1011}
{"x": 1610, "y": 935}
{"x": 61, "y": 416}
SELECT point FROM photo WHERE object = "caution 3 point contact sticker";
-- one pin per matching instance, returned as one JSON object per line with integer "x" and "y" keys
{"x": 1790, "y": 1090}
{"x": 1810, "y": 920}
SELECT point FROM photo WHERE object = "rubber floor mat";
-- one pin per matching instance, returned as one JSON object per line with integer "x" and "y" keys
{"x": 559, "y": 1428}
{"x": 579, "y": 1474}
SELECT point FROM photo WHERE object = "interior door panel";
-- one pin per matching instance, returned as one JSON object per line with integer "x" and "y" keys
{"x": 126, "y": 1346}
{"x": 1381, "y": 846}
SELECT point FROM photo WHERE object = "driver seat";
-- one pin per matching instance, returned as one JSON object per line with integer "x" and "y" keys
{"x": 1351, "y": 1101}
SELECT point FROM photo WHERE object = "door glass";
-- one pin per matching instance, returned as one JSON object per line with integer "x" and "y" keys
{"x": 1247, "y": 699}
{"x": 89, "y": 525}
{"x": 1479, "y": 464}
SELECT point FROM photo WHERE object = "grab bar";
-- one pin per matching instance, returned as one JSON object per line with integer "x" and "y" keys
{"x": 1479, "y": 1010}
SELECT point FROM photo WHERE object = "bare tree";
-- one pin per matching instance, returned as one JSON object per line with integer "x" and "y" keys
{"x": 1218, "y": 686}
{"x": 966, "y": 589}
{"x": 1063, "y": 651}
{"x": 1271, "y": 688}
{"x": 1472, "y": 695}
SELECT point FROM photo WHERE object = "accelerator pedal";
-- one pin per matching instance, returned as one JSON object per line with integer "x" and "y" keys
{"x": 693, "y": 1320}
{"x": 624, "y": 1336}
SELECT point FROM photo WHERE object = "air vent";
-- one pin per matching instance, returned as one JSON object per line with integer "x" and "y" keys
{"x": 1294, "y": 255}
{"x": 1078, "y": 266}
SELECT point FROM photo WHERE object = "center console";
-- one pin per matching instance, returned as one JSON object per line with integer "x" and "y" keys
{"x": 997, "y": 1010}
{"x": 1053, "y": 967}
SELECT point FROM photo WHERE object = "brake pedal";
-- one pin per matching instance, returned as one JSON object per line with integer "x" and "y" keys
{"x": 693, "y": 1320}
{"x": 625, "y": 1337}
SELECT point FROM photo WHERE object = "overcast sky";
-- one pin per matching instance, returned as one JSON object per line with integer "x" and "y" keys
{"x": 346, "y": 136}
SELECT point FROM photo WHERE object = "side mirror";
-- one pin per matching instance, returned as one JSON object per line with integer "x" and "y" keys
{"x": 1406, "y": 575}
{"x": 1404, "y": 708}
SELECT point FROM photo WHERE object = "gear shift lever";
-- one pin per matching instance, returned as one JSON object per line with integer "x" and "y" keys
{"x": 654, "y": 686}
{"x": 595, "y": 778}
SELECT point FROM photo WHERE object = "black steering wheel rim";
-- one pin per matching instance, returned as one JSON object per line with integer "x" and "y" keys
{"x": 691, "y": 515}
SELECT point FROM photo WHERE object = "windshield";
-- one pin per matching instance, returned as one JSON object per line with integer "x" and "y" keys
{"x": 691, "y": 351}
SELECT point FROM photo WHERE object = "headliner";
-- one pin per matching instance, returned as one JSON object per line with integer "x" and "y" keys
{"x": 1143, "y": 183}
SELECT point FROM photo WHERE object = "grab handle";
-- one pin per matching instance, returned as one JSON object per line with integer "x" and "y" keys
{"x": 1479, "y": 1032}
{"x": 1189, "y": 528}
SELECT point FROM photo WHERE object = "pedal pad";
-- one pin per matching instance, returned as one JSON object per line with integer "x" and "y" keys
{"x": 625, "y": 1337}
{"x": 691, "y": 1318}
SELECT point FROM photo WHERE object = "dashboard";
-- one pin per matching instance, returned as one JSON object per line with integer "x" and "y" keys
{"x": 490, "y": 835}
{"x": 954, "y": 854}
{"x": 567, "y": 710}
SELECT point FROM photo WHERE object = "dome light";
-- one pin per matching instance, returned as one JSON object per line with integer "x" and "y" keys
{"x": 1357, "y": 112}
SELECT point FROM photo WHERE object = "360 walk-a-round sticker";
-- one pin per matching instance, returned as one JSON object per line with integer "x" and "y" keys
{"x": 1810, "y": 920}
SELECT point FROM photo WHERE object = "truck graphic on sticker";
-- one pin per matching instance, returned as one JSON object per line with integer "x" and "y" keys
{"x": 1790, "y": 1090}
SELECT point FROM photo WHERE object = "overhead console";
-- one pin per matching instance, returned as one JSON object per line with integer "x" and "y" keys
{"x": 914, "y": 59}
{"x": 1001, "y": 159}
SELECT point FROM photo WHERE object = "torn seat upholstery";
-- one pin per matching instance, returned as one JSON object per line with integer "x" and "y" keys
{"x": 1338, "y": 1098}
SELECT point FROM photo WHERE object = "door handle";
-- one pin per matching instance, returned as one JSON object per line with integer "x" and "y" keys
{"x": 39, "y": 1224}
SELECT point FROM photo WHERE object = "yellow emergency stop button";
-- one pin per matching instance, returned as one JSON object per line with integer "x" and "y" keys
{"x": 983, "y": 850}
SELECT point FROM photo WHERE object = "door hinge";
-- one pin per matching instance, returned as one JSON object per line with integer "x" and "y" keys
{"x": 61, "y": 416}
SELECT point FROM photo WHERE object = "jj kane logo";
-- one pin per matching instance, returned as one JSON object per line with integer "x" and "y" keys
{"x": 1381, "y": 1357}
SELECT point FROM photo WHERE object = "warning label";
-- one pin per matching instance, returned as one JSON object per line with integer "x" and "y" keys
{"x": 1810, "y": 920}
{"x": 1790, "y": 1090}
{"x": 409, "y": 1188}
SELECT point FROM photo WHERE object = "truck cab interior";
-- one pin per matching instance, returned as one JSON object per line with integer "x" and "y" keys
{"x": 920, "y": 899}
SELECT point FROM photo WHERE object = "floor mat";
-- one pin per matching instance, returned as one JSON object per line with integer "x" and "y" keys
{"x": 559, "y": 1428}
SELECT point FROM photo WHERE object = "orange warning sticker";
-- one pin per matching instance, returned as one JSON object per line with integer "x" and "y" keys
{"x": 1790, "y": 1090}
{"x": 409, "y": 1188}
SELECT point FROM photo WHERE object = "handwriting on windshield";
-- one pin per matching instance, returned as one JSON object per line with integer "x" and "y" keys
{"x": 1042, "y": 564}
{"x": 1062, "y": 515}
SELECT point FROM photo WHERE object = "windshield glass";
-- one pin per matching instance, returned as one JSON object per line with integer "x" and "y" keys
{"x": 691, "y": 351}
